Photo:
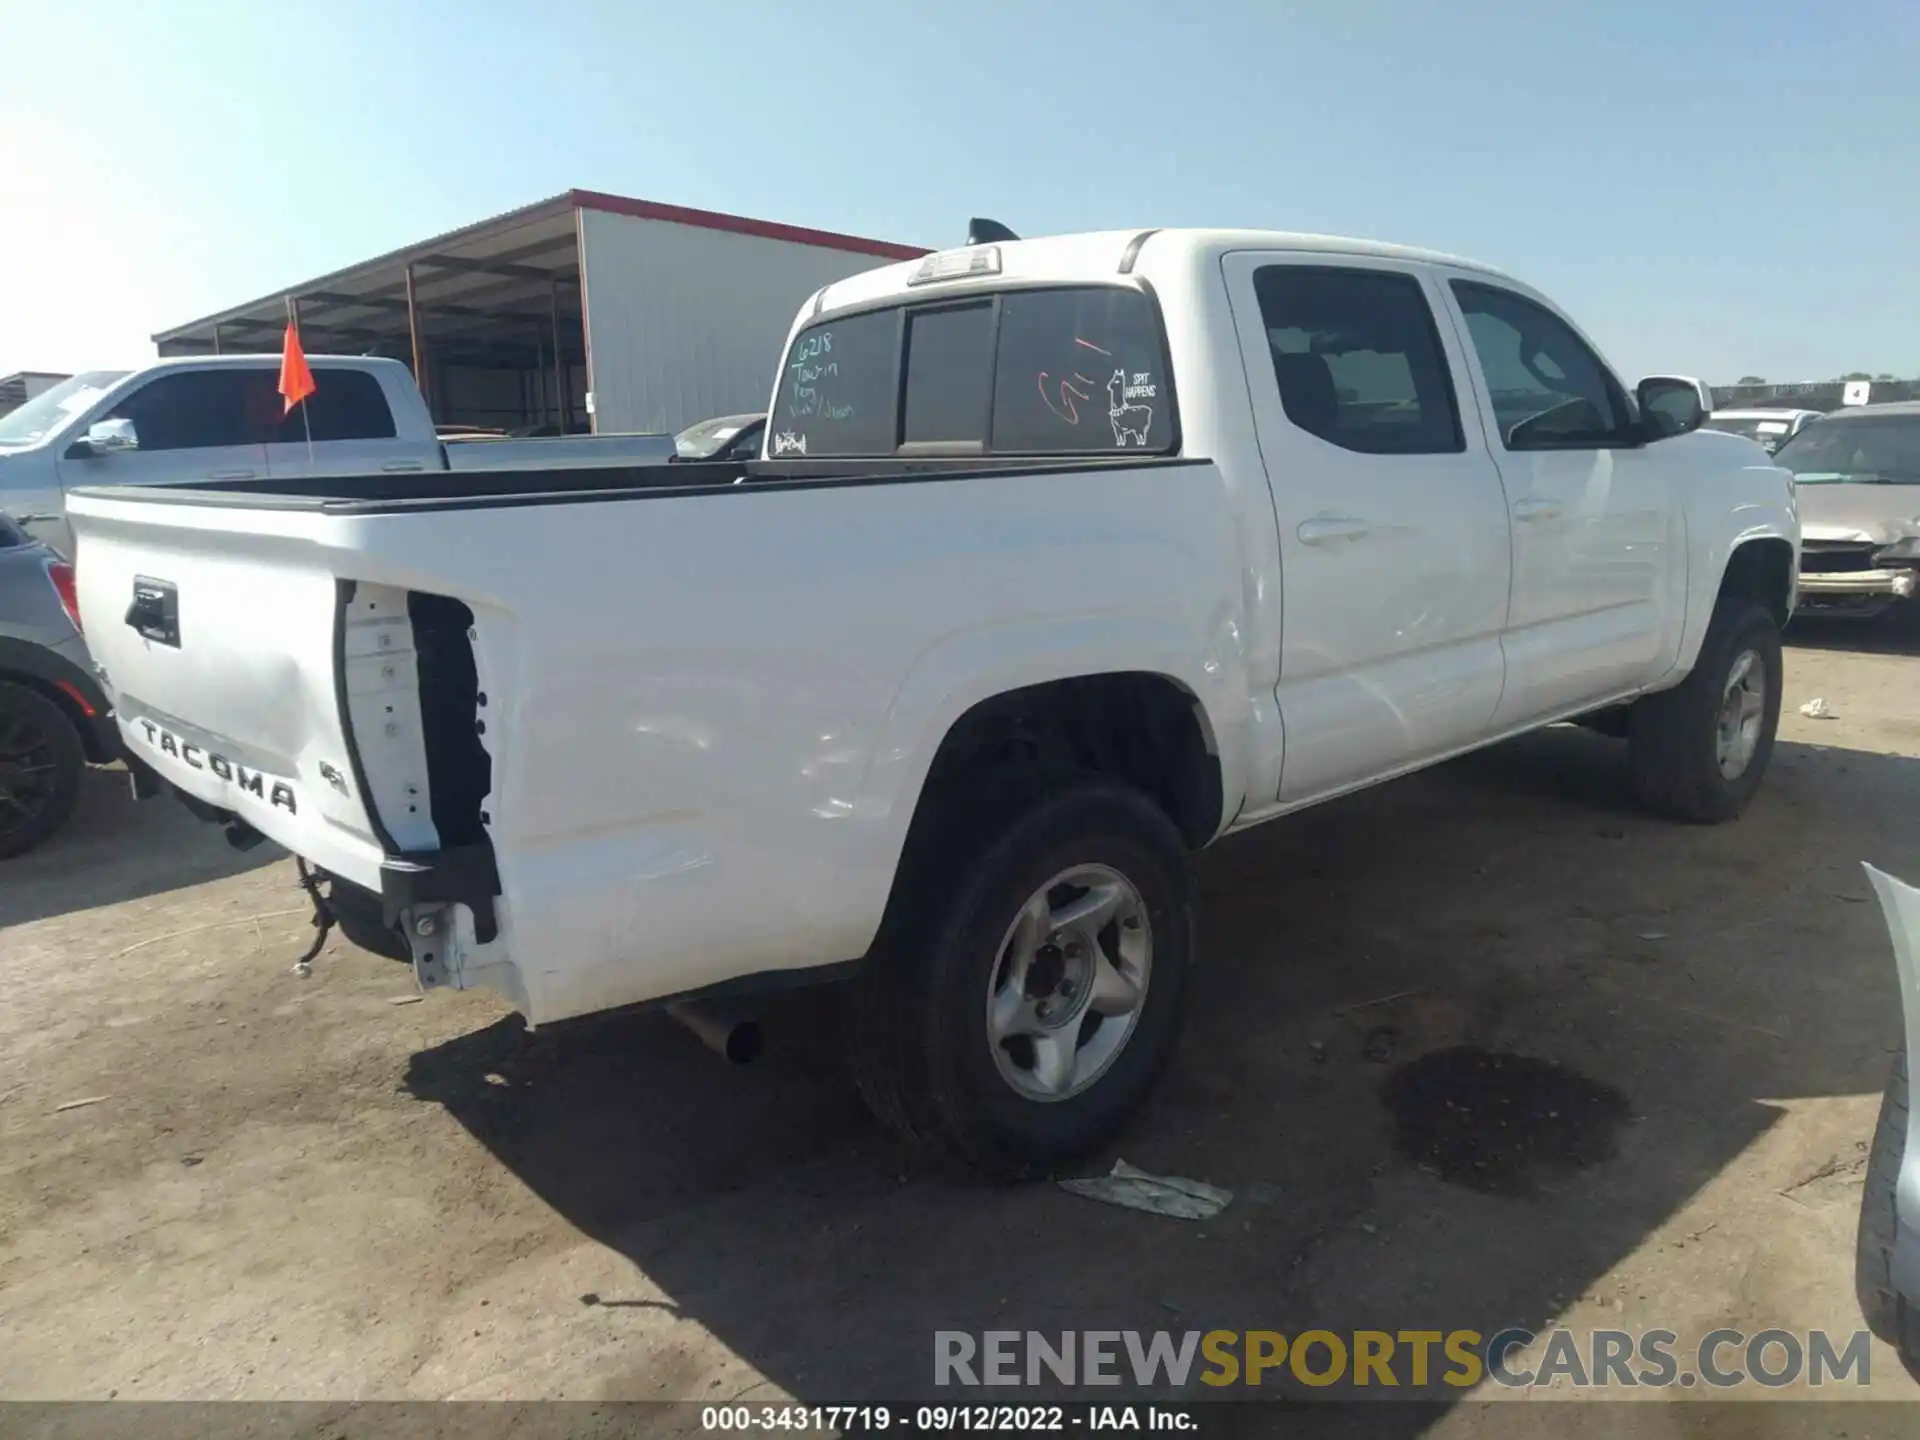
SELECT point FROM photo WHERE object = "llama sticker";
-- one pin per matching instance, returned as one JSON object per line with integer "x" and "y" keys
{"x": 1129, "y": 421}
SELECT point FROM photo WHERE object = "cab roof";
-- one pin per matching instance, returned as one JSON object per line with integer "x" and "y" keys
{"x": 1099, "y": 254}
{"x": 251, "y": 360}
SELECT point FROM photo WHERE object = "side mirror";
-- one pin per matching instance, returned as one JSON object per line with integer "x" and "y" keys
{"x": 1672, "y": 405}
{"x": 105, "y": 437}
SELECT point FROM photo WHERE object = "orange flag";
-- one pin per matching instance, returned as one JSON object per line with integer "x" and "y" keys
{"x": 296, "y": 380}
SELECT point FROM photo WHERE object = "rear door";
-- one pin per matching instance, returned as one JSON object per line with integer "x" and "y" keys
{"x": 190, "y": 425}
{"x": 351, "y": 427}
{"x": 1393, "y": 525}
{"x": 1599, "y": 546}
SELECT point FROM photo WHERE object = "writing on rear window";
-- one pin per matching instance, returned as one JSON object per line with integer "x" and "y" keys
{"x": 1024, "y": 372}
{"x": 836, "y": 392}
{"x": 1079, "y": 371}
{"x": 815, "y": 369}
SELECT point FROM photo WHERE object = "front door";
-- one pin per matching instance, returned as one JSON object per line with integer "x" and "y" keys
{"x": 1393, "y": 525}
{"x": 1599, "y": 546}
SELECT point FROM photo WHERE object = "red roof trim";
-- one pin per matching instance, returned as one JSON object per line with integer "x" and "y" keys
{"x": 740, "y": 225}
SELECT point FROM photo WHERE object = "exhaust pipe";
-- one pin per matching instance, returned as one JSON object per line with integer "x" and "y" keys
{"x": 735, "y": 1038}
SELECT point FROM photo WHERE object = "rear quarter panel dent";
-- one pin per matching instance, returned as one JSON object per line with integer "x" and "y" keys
{"x": 691, "y": 792}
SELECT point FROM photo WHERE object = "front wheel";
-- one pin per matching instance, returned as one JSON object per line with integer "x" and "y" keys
{"x": 1698, "y": 752}
{"x": 1033, "y": 980}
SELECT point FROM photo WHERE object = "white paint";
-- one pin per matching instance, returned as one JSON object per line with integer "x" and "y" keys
{"x": 254, "y": 667}
{"x": 712, "y": 714}
{"x": 1393, "y": 575}
{"x": 1598, "y": 545}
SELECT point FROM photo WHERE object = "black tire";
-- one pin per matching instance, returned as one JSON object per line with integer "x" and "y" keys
{"x": 1886, "y": 1311}
{"x": 1671, "y": 741}
{"x": 918, "y": 1040}
{"x": 41, "y": 761}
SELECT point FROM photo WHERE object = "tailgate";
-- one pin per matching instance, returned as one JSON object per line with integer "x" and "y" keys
{"x": 239, "y": 665}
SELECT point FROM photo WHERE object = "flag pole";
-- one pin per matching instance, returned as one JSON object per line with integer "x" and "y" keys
{"x": 293, "y": 319}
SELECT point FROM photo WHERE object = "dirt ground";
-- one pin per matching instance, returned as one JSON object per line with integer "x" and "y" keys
{"x": 329, "y": 1189}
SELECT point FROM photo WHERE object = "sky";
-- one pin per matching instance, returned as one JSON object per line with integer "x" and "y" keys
{"x": 1708, "y": 188}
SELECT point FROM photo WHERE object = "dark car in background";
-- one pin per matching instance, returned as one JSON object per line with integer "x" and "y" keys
{"x": 725, "y": 437}
{"x": 54, "y": 718}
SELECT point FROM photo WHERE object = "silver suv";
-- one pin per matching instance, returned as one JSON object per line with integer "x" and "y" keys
{"x": 54, "y": 718}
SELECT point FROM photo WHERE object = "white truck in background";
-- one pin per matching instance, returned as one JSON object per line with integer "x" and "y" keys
{"x": 1065, "y": 558}
{"x": 222, "y": 418}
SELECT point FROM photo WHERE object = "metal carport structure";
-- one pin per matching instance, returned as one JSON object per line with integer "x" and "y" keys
{"x": 495, "y": 321}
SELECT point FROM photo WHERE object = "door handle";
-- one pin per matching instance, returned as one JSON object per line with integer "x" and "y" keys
{"x": 396, "y": 467}
{"x": 155, "y": 611}
{"x": 1536, "y": 510}
{"x": 235, "y": 474}
{"x": 1324, "y": 529}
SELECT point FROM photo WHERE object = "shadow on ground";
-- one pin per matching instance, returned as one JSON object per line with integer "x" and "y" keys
{"x": 106, "y": 853}
{"x": 1509, "y": 905}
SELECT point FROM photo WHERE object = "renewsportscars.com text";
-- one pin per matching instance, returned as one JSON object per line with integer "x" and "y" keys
{"x": 1515, "y": 1358}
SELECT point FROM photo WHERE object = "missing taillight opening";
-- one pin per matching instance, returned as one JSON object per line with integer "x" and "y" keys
{"x": 60, "y": 573}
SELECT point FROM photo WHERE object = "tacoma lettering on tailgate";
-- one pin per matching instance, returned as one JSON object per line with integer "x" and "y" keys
{"x": 275, "y": 792}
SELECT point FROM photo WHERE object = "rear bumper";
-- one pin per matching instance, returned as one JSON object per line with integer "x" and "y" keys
{"x": 458, "y": 875}
{"x": 221, "y": 789}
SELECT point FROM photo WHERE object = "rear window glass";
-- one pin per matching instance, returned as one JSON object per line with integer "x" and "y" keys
{"x": 1080, "y": 370}
{"x": 837, "y": 391}
{"x": 949, "y": 375}
{"x": 1027, "y": 372}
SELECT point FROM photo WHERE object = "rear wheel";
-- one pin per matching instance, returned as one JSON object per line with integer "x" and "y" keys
{"x": 1698, "y": 752}
{"x": 41, "y": 762}
{"x": 1031, "y": 981}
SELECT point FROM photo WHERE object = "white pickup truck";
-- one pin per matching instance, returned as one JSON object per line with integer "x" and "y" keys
{"x": 1065, "y": 558}
{"x": 222, "y": 418}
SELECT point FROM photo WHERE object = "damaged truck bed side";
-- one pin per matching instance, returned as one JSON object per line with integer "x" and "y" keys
{"x": 1064, "y": 558}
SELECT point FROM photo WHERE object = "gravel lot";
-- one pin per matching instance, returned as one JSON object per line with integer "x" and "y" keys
{"x": 317, "y": 1189}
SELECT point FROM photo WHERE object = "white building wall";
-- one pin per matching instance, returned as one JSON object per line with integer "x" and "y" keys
{"x": 686, "y": 323}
